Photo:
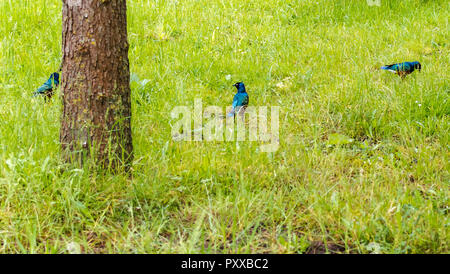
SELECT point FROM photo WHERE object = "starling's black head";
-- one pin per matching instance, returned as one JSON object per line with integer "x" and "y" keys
{"x": 240, "y": 86}
{"x": 418, "y": 66}
{"x": 55, "y": 77}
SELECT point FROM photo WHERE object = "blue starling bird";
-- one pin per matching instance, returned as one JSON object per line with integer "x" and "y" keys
{"x": 403, "y": 69}
{"x": 47, "y": 88}
{"x": 240, "y": 100}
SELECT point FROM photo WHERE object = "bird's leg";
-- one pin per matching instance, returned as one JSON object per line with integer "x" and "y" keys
{"x": 241, "y": 113}
{"x": 48, "y": 95}
{"x": 402, "y": 74}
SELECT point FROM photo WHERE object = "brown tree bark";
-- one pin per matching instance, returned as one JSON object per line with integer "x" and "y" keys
{"x": 96, "y": 118}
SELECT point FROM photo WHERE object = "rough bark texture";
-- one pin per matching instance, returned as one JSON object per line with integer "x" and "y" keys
{"x": 96, "y": 82}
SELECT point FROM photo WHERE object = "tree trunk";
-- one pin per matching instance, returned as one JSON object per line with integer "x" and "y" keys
{"x": 96, "y": 83}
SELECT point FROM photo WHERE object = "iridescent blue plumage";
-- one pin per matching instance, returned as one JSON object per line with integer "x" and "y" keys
{"x": 47, "y": 88}
{"x": 403, "y": 69}
{"x": 240, "y": 100}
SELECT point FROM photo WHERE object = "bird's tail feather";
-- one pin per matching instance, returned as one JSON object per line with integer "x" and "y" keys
{"x": 388, "y": 68}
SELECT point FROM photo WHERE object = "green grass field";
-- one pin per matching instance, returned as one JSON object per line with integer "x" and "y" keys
{"x": 384, "y": 189}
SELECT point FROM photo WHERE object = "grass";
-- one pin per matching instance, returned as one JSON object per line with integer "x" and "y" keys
{"x": 384, "y": 191}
